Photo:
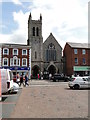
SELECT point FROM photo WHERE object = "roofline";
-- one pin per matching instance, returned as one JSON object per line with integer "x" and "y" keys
{"x": 14, "y": 45}
{"x": 88, "y": 45}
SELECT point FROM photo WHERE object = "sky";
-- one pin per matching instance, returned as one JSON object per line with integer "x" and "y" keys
{"x": 67, "y": 20}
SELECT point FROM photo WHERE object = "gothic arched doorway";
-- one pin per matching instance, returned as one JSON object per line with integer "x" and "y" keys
{"x": 35, "y": 71}
{"x": 52, "y": 69}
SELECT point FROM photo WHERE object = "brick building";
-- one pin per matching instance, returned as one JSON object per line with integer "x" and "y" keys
{"x": 16, "y": 57}
{"x": 76, "y": 58}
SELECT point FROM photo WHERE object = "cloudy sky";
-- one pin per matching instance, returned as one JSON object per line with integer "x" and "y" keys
{"x": 66, "y": 19}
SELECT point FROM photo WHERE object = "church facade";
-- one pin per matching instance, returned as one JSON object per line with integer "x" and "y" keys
{"x": 45, "y": 56}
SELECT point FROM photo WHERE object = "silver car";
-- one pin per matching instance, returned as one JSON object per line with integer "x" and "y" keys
{"x": 79, "y": 82}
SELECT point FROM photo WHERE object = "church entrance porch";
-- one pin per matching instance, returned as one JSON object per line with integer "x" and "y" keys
{"x": 35, "y": 71}
{"x": 52, "y": 69}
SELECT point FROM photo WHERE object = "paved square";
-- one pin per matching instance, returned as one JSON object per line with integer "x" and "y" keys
{"x": 51, "y": 100}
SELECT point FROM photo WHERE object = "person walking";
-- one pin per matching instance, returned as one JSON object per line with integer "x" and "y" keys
{"x": 50, "y": 76}
{"x": 26, "y": 79}
{"x": 38, "y": 76}
{"x": 18, "y": 79}
{"x": 21, "y": 79}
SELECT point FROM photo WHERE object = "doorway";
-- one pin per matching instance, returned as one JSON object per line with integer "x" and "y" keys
{"x": 52, "y": 69}
{"x": 35, "y": 71}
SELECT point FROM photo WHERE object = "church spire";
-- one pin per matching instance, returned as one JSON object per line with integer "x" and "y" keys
{"x": 40, "y": 16}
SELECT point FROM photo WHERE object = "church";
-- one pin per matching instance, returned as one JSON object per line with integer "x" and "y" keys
{"x": 45, "y": 56}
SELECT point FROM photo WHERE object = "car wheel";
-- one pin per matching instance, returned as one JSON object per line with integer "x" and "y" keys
{"x": 76, "y": 86}
{"x": 71, "y": 87}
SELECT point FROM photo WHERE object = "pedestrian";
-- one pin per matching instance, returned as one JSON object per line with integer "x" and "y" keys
{"x": 21, "y": 79}
{"x": 18, "y": 79}
{"x": 26, "y": 79}
{"x": 50, "y": 76}
{"x": 38, "y": 76}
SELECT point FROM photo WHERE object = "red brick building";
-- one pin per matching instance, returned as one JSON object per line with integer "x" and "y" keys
{"x": 76, "y": 58}
{"x": 16, "y": 57}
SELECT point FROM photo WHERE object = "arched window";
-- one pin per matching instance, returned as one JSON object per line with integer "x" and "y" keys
{"x": 37, "y": 31}
{"x": 33, "y": 31}
{"x": 51, "y": 53}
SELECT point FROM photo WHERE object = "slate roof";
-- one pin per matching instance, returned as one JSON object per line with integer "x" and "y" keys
{"x": 79, "y": 45}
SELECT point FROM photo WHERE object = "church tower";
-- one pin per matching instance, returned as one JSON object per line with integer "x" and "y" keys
{"x": 35, "y": 40}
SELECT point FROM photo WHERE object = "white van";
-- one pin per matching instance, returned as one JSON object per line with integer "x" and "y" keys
{"x": 7, "y": 83}
{"x": 6, "y": 80}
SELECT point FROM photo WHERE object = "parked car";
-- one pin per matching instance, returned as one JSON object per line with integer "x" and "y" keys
{"x": 59, "y": 77}
{"x": 79, "y": 82}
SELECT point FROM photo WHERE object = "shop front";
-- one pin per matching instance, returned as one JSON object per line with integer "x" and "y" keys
{"x": 82, "y": 70}
{"x": 19, "y": 70}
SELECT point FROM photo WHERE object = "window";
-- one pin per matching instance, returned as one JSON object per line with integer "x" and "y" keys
{"x": 15, "y": 51}
{"x": 37, "y": 31}
{"x": 83, "y": 51}
{"x": 75, "y": 51}
{"x": 24, "y": 52}
{"x": 84, "y": 61}
{"x": 5, "y": 51}
{"x": 76, "y": 60}
{"x": 51, "y": 53}
{"x": 15, "y": 61}
{"x": 35, "y": 55}
{"x": 11, "y": 62}
{"x": 33, "y": 31}
{"x": 24, "y": 62}
{"x": 5, "y": 61}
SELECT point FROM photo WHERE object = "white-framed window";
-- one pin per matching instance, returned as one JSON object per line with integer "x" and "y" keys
{"x": 5, "y": 61}
{"x": 83, "y": 51}
{"x": 24, "y": 52}
{"x": 76, "y": 61}
{"x": 5, "y": 51}
{"x": 75, "y": 51}
{"x": 15, "y": 51}
{"x": 15, "y": 61}
{"x": 24, "y": 61}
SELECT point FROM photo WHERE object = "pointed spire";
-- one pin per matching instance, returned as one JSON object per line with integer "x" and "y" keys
{"x": 30, "y": 17}
{"x": 40, "y": 16}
